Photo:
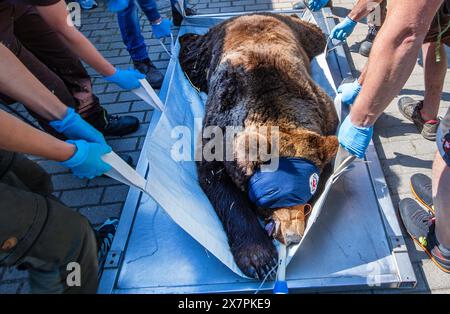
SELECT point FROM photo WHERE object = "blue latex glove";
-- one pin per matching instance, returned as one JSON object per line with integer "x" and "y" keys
{"x": 162, "y": 29}
{"x": 117, "y": 5}
{"x": 343, "y": 29}
{"x": 75, "y": 128}
{"x": 353, "y": 138}
{"x": 127, "y": 79}
{"x": 87, "y": 162}
{"x": 349, "y": 92}
{"x": 316, "y": 5}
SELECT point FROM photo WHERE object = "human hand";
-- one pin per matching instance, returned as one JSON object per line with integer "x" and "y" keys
{"x": 75, "y": 128}
{"x": 343, "y": 29}
{"x": 86, "y": 162}
{"x": 354, "y": 139}
{"x": 316, "y": 5}
{"x": 349, "y": 92}
{"x": 127, "y": 79}
{"x": 162, "y": 29}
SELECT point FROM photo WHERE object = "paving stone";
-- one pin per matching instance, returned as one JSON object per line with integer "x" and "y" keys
{"x": 67, "y": 182}
{"x": 77, "y": 198}
{"x": 98, "y": 214}
{"x": 115, "y": 194}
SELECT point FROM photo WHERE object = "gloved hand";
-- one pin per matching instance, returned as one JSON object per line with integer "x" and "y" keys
{"x": 162, "y": 29}
{"x": 127, "y": 79}
{"x": 75, "y": 128}
{"x": 349, "y": 92}
{"x": 353, "y": 138}
{"x": 86, "y": 162}
{"x": 343, "y": 29}
{"x": 117, "y": 5}
{"x": 316, "y": 5}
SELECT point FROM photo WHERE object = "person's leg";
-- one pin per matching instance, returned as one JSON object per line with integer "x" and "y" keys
{"x": 434, "y": 79}
{"x": 134, "y": 41}
{"x": 130, "y": 30}
{"x": 424, "y": 112}
{"x": 39, "y": 233}
{"x": 44, "y": 43}
{"x": 375, "y": 21}
{"x": 441, "y": 182}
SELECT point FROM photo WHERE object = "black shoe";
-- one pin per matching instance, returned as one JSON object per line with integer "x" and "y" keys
{"x": 153, "y": 76}
{"x": 366, "y": 44}
{"x": 120, "y": 125}
{"x": 178, "y": 18}
{"x": 105, "y": 235}
{"x": 420, "y": 225}
{"x": 421, "y": 189}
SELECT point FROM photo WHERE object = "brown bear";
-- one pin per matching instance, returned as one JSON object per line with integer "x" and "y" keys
{"x": 256, "y": 72}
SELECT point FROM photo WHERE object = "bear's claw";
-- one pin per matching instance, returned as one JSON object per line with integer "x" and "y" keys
{"x": 256, "y": 258}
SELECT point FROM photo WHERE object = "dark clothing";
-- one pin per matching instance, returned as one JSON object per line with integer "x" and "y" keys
{"x": 39, "y": 233}
{"x": 43, "y": 52}
{"x": 439, "y": 24}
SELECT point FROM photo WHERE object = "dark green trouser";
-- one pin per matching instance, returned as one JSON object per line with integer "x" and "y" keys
{"x": 39, "y": 233}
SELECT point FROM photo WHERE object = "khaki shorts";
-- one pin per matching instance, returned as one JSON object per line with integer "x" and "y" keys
{"x": 440, "y": 22}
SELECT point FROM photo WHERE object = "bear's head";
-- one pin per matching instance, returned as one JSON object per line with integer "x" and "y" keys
{"x": 287, "y": 223}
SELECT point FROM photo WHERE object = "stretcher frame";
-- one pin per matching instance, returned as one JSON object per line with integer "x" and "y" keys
{"x": 402, "y": 275}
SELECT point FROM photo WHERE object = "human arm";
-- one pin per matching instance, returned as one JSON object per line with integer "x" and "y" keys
{"x": 56, "y": 16}
{"x": 400, "y": 38}
{"x": 345, "y": 28}
{"x": 20, "y": 84}
{"x": 17, "y": 136}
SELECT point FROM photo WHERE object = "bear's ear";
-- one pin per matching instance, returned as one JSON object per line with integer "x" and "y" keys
{"x": 311, "y": 36}
{"x": 328, "y": 148}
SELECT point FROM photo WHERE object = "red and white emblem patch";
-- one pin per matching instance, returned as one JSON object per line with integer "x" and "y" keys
{"x": 313, "y": 182}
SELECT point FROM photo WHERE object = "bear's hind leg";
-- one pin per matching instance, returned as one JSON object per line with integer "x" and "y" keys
{"x": 252, "y": 248}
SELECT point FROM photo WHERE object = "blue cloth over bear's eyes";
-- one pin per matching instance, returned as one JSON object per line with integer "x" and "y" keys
{"x": 293, "y": 183}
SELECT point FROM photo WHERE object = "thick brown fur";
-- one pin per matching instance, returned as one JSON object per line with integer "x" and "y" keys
{"x": 256, "y": 71}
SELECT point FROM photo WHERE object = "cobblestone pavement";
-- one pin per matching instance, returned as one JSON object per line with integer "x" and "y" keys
{"x": 402, "y": 151}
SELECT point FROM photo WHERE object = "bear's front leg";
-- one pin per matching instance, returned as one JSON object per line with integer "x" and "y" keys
{"x": 252, "y": 248}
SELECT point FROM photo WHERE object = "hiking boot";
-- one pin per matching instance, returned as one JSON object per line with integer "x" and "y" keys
{"x": 421, "y": 189}
{"x": 420, "y": 225}
{"x": 110, "y": 125}
{"x": 153, "y": 76}
{"x": 366, "y": 44}
{"x": 177, "y": 18}
{"x": 105, "y": 235}
{"x": 410, "y": 109}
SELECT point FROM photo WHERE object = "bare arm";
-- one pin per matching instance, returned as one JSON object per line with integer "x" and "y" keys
{"x": 56, "y": 16}
{"x": 17, "y": 82}
{"x": 18, "y": 136}
{"x": 362, "y": 8}
{"x": 393, "y": 57}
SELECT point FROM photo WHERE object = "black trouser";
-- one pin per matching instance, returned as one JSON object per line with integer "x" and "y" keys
{"x": 46, "y": 55}
{"x": 39, "y": 233}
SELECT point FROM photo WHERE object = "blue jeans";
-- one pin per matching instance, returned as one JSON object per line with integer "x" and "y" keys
{"x": 131, "y": 30}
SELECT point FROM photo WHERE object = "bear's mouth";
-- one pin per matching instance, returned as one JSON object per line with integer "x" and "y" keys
{"x": 287, "y": 225}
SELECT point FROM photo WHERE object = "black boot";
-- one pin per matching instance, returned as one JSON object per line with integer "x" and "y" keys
{"x": 366, "y": 44}
{"x": 111, "y": 125}
{"x": 153, "y": 76}
{"x": 178, "y": 18}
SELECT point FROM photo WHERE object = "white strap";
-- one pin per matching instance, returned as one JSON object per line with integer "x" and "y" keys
{"x": 148, "y": 94}
{"x": 123, "y": 172}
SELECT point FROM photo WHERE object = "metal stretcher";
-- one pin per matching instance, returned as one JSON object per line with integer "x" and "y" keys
{"x": 356, "y": 242}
